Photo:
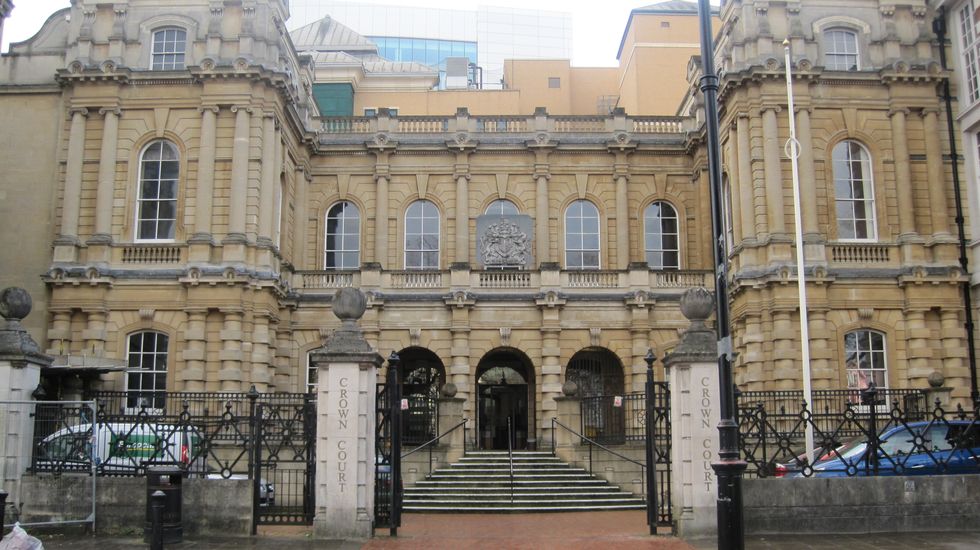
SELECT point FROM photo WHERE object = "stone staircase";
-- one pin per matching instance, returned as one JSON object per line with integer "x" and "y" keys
{"x": 480, "y": 483}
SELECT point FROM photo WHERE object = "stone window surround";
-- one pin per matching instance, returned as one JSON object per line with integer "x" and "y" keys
{"x": 326, "y": 243}
{"x": 677, "y": 220}
{"x": 870, "y": 178}
{"x": 564, "y": 236}
{"x": 138, "y": 192}
{"x": 148, "y": 27}
{"x": 438, "y": 233}
{"x": 861, "y": 30}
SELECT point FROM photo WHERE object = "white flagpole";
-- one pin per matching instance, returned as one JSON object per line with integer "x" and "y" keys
{"x": 793, "y": 152}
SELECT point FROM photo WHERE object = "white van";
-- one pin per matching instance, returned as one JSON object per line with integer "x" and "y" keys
{"x": 120, "y": 448}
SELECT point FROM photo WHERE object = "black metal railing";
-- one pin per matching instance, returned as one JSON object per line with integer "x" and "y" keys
{"x": 430, "y": 445}
{"x": 420, "y": 422}
{"x": 204, "y": 434}
{"x": 613, "y": 420}
{"x": 856, "y": 433}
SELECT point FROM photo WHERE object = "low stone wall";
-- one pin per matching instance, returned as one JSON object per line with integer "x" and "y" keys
{"x": 861, "y": 505}
{"x": 209, "y": 506}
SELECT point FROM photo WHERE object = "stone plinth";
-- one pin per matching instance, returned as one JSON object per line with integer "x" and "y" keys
{"x": 20, "y": 373}
{"x": 692, "y": 371}
{"x": 347, "y": 371}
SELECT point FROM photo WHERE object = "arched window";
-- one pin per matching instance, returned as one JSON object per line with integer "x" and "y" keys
{"x": 840, "y": 50}
{"x": 156, "y": 211}
{"x": 146, "y": 375}
{"x": 864, "y": 352}
{"x": 502, "y": 207}
{"x": 582, "y": 236}
{"x": 169, "y": 46}
{"x": 661, "y": 236}
{"x": 970, "y": 50}
{"x": 422, "y": 236}
{"x": 343, "y": 237}
{"x": 854, "y": 192}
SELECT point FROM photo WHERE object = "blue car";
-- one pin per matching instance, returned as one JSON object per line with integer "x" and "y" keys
{"x": 917, "y": 448}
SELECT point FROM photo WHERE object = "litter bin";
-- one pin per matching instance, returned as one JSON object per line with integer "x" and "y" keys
{"x": 167, "y": 479}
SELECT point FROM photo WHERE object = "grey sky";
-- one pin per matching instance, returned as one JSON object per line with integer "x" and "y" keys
{"x": 596, "y": 26}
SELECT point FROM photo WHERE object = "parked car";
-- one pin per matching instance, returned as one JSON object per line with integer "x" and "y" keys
{"x": 119, "y": 448}
{"x": 917, "y": 448}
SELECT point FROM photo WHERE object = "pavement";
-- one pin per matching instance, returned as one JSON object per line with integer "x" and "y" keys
{"x": 566, "y": 531}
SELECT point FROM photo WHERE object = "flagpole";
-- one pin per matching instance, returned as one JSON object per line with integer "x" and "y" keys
{"x": 793, "y": 152}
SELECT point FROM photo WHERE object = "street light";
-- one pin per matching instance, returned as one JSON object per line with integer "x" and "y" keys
{"x": 729, "y": 466}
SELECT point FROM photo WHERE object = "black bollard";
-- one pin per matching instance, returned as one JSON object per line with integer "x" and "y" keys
{"x": 156, "y": 530}
{"x": 3, "y": 509}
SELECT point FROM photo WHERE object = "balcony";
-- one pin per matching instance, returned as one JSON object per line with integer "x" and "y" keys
{"x": 341, "y": 129}
{"x": 616, "y": 283}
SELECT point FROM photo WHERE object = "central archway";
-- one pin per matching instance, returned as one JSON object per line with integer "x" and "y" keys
{"x": 505, "y": 391}
{"x": 421, "y": 376}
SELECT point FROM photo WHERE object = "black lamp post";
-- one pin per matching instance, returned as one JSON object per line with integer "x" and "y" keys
{"x": 653, "y": 513}
{"x": 395, "y": 420}
{"x": 729, "y": 467}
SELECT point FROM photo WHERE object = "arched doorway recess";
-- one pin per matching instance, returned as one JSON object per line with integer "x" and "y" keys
{"x": 598, "y": 373}
{"x": 421, "y": 376}
{"x": 505, "y": 391}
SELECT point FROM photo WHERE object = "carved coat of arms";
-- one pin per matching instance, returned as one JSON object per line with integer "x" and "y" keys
{"x": 504, "y": 244}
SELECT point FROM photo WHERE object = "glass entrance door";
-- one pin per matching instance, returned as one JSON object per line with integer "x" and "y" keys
{"x": 498, "y": 403}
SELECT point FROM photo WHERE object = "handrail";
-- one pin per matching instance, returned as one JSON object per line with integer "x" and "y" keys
{"x": 430, "y": 442}
{"x": 510, "y": 453}
{"x": 600, "y": 445}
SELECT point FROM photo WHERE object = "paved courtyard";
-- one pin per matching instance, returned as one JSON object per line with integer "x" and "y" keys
{"x": 603, "y": 530}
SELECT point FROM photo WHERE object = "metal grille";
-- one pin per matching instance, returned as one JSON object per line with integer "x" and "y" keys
{"x": 382, "y": 467}
{"x": 284, "y": 463}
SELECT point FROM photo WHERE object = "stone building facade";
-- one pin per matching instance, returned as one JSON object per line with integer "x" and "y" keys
{"x": 192, "y": 217}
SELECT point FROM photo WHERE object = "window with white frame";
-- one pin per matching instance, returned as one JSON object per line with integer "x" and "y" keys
{"x": 277, "y": 209}
{"x": 311, "y": 372}
{"x": 169, "y": 46}
{"x": 854, "y": 192}
{"x": 865, "y": 362}
{"x": 502, "y": 207}
{"x": 582, "y": 236}
{"x": 146, "y": 374}
{"x": 970, "y": 45}
{"x": 156, "y": 210}
{"x": 422, "y": 236}
{"x": 661, "y": 237}
{"x": 726, "y": 213}
{"x": 840, "y": 50}
{"x": 343, "y": 237}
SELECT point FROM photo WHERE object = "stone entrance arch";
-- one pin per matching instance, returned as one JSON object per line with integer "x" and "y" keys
{"x": 421, "y": 376}
{"x": 598, "y": 373}
{"x": 505, "y": 389}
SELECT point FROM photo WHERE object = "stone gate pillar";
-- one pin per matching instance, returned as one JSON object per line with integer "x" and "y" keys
{"x": 692, "y": 372}
{"x": 20, "y": 372}
{"x": 347, "y": 371}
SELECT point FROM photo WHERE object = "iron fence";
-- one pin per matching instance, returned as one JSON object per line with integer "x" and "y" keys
{"x": 612, "y": 420}
{"x": 856, "y": 433}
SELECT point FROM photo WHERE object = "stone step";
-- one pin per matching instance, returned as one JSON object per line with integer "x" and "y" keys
{"x": 535, "y": 497}
{"x": 519, "y": 509}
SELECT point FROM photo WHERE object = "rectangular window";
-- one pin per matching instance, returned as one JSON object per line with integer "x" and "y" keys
{"x": 370, "y": 111}
{"x": 554, "y": 82}
{"x": 168, "y": 49}
{"x": 971, "y": 52}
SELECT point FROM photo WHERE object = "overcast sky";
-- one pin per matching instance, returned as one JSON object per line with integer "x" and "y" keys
{"x": 597, "y": 25}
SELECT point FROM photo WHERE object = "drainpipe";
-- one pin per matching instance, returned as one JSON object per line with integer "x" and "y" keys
{"x": 939, "y": 27}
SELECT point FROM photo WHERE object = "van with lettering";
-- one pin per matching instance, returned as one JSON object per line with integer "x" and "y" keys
{"x": 120, "y": 448}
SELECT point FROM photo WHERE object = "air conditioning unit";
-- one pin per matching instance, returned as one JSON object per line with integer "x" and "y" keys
{"x": 457, "y": 73}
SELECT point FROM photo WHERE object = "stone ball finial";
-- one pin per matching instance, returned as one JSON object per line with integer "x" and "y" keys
{"x": 349, "y": 304}
{"x": 936, "y": 379}
{"x": 569, "y": 388}
{"x": 697, "y": 304}
{"x": 15, "y": 303}
{"x": 448, "y": 389}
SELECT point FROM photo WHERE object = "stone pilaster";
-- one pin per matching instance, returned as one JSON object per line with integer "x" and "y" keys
{"x": 66, "y": 243}
{"x": 20, "y": 373}
{"x": 201, "y": 241}
{"x": 451, "y": 413}
{"x": 460, "y": 304}
{"x": 919, "y": 352}
{"x": 938, "y": 207}
{"x": 785, "y": 350}
{"x": 345, "y": 454}
{"x": 59, "y": 335}
{"x": 230, "y": 375}
{"x": 692, "y": 370}
{"x": 550, "y": 305}
{"x": 106, "y": 185}
{"x": 461, "y": 173}
{"x": 955, "y": 362}
{"x": 903, "y": 175}
{"x": 622, "y": 222}
{"x": 262, "y": 370}
{"x": 194, "y": 353}
{"x": 772, "y": 147}
{"x": 234, "y": 242}
{"x": 754, "y": 354}
{"x": 822, "y": 372}
{"x": 808, "y": 178}
{"x": 639, "y": 304}
{"x": 284, "y": 380}
{"x": 735, "y": 202}
{"x": 746, "y": 189}
{"x": 94, "y": 333}
{"x": 300, "y": 222}
{"x": 267, "y": 194}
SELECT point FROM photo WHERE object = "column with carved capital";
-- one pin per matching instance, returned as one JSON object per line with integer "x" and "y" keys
{"x": 107, "y": 180}
{"x": 230, "y": 375}
{"x": 808, "y": 179}
{"x": 462, "y": 214}
{"x": 302, "y": 181}
{"x": 541, "y": 216}
{"x": 65, "y": 244}
{"x": 234, "y": 249}
{"x": 745, "y": 189}
{"x": 267, "y": 192}
{"x": 381, "y": 220}
{"x": 622, "y": 222}
{"x": 201, "y": 241}
{"x": 938, "y": 207}
{"x": 772, "y": 148}
{"x": 903, "y": 176}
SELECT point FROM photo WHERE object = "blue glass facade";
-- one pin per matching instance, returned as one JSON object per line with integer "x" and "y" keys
{"x": 428, "y": 51}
